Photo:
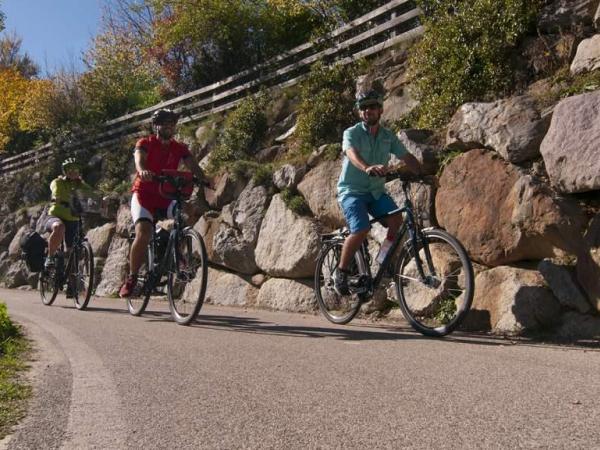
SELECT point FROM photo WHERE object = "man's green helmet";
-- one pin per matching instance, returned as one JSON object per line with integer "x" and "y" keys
{"x": 69, "y": 163}
{"x": 371, "y": 97}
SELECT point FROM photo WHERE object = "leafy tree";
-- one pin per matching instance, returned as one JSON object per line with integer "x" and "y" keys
{"x": 242, "y": 133}
{"x": 119, "y": 77}
{"x": 24, "y": 106}
{"x": 465, "y": 53}
{"x": 11, "y": 56}
{"x": 326, "y": 105}
{"x": 2, "y": 17}
{"x": 223, "y": 37}
{"x": 197, "y": 42}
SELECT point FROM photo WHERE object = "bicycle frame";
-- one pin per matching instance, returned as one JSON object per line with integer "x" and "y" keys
{"x": 414, "y": 233}
{"x": 67, "y": 268}
{"x": 159, "y": 269}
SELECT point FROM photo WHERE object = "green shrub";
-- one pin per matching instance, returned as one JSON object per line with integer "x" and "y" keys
{"x": 332, "y": 152}
{"x": 260, "y": 173}
{"x": 13, "y": 388}
{"x": 446, "y": 158}
{"x": 116, "y": 168}
{"x": 326, "y": 105}
{"x": 295, "y": 202}
{"x": 7, "y": 328}
{"x": 577, "y": 84}
{"x": 465, "y": 53}
{"x": 242, "y": 134}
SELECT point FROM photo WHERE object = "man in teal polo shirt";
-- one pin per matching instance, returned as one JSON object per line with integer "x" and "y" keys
{"x": 367, "y": 147}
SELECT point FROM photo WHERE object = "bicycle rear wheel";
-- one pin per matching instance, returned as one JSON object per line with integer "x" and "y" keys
{"x": 339, "y": 309}
{"x": 186, "y": 283}
{"x": 48, "y": 286}
{"x": 82, "y": 277}
{"x": 437, "y": 305}
{"x": 137, "y": 303}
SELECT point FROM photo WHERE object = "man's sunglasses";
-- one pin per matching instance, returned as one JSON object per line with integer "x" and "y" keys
{"x": 371, "y": 106}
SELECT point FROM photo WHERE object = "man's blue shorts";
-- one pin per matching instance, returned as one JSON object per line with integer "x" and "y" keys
{"x": 357, "y": 207}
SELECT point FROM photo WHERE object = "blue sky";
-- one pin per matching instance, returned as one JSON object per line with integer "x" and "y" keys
{"x": 55, "y": 32}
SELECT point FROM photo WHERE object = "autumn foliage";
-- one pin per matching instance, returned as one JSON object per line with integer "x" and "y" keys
{"x": 23, "y": 109}
{"x": 152, "y": 50}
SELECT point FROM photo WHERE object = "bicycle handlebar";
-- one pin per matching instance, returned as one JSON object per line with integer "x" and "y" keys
{"x": 412, "y": 178}
{"x": 176, "y": 180}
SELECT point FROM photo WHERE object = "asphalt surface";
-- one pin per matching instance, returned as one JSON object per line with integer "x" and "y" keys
{"x": 258, "y": 379}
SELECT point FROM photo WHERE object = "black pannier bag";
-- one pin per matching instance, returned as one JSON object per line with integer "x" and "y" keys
{"x": 33, "y": 250}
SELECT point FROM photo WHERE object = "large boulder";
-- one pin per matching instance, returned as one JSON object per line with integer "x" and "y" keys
{"x": 562, "y": 15}
{"x": 115, "y": 268}
{"x": 5, "y": 263}
{"x": 571, "y": 149}
{"x": 588, "y": 264}
{"x": 208, "y": 227}
{"x": 288, "y": 176}
{"x": 233, "y": 244}
{"x": 288, "y": 245}
{"x": 227, "y": 189}
{"x": 14, "y": 249}
{"x": 231, "y": 250}
{"x": 98, "y": 268}
{"x": 100, "y": 238}
{"x": 319, "y": 188}
{"x": 512, "y": 127}
{"x": 502, "y": 216}
{"x": 561, "y": 280}
{"x": 249, "y": 209}
{"x": 418, "y": 144}
{"x": 578, "y": 327}
{"x": 124, "y": 221}
{"x": 8, "y": 228}
{"x": 510, "y": 300}
{"x": 422, "y": 197}
{"x": 17, "y": 275}
{"x": 228, "y": 289}
{"x": 287, "y": 295}
{"x": 588, "y": 56}
{"x": 401, "y": 97}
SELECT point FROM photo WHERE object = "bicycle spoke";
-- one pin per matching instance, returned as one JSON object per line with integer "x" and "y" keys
{"x": 437, "y": 304}
{"x": 336, "y": 308}
{"x": 82, "y": 281}
{"x": 186, "y": 285}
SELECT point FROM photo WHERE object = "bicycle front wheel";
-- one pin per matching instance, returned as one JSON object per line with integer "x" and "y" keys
{"x": 48, "y": 286}
{"x": 137, "y": 303}
{"x": 339, "y": 309}
{"x": 436, "y": 304}
{"x": 82, "y": 278}
{"x": 188, "y": 276}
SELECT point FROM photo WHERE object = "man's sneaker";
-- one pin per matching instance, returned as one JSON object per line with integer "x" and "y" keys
{"x": 128, "y": 287}
{"x": 340, "y": 282}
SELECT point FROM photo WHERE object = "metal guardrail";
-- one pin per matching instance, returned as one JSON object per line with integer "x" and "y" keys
{"x": 382, "y": 28}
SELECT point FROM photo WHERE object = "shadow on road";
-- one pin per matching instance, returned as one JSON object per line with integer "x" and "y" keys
{"x": 357, "y": 331}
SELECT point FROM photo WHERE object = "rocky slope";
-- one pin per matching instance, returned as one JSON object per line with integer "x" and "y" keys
{"x": 519, "y": 185}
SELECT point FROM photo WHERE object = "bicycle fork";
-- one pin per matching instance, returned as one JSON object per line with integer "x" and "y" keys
{"x": 418, "y": 237}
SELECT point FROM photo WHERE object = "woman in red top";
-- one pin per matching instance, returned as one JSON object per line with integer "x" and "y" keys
{"x": 152, "y": 155}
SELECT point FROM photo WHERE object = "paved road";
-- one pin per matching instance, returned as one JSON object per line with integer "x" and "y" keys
{"x": 256, "y": 379}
